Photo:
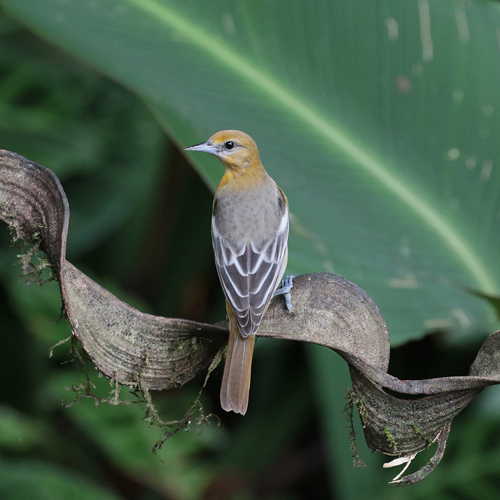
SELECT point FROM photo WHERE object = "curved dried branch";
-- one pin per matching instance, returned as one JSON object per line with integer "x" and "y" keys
{"x": 155, "y": 353}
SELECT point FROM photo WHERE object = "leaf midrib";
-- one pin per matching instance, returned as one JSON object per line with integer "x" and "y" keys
{"x": 226, "y": 57}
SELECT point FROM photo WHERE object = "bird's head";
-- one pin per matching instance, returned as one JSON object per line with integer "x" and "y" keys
{"x": 235, "y": 149}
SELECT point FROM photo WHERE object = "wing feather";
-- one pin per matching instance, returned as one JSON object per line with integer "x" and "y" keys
{"x": 249, "y": 273}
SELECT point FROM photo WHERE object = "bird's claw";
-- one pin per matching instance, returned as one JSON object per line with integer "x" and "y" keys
{"x": 286, "y": 286}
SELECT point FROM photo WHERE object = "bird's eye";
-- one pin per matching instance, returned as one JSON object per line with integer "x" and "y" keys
{"x": 229, "y": 145}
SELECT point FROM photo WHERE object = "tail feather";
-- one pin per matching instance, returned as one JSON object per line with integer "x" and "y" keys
{"x": 237, "y": 371}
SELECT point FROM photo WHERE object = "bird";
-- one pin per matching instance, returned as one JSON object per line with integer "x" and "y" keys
{"x": 250, "y": 226}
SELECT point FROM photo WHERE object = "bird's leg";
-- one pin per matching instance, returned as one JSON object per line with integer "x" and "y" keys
{"x": 286, "y": 286}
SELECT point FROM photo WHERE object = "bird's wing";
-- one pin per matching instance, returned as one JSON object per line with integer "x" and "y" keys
{"x": 250, "y": 273}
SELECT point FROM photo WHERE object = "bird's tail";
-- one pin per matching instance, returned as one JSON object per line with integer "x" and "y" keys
{"x": 237, "y": 370}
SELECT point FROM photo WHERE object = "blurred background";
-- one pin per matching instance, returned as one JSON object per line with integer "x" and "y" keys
{"x": 416, "y": 119}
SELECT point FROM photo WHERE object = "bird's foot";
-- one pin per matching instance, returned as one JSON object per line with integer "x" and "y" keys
{"x": 286, "y": 286}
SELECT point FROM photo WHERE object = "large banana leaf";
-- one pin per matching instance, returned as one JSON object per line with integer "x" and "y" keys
{"x": 377, "y": 118}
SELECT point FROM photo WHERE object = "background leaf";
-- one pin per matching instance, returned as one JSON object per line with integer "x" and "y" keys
{"x": 370, "y": 117}
{"x": 377, "y": 118}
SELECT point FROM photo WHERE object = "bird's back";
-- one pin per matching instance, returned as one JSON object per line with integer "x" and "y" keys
{"x": 249, "y": 234}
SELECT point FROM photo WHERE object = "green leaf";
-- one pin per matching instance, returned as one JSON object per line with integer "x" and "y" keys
{"x": 18, "y": 432}
{"x": 376, "y": 118}
{"x": 36, "y": 479}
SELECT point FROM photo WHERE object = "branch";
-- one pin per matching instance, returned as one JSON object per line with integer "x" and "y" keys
{"x": 156, "y": 353}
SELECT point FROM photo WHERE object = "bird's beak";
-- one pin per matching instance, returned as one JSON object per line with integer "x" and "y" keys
{"x": 204, "y": 147}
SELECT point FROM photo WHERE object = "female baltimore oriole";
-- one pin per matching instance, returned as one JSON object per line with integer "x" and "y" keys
{"x": 250, "y": 223}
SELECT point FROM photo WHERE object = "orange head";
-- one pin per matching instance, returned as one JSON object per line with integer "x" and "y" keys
{"x": 235, "y": 149}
